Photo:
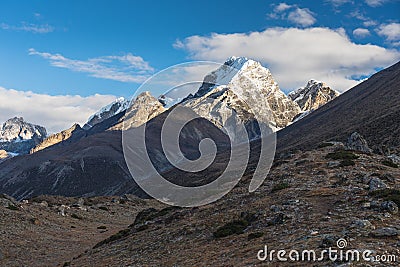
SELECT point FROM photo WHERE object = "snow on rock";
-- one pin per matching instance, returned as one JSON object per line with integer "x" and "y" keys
{"x": 117, "y": 106}
{"x": 19, "y": 136}
{"x": 244, "y": 87}
{"x": 313, "y": 95}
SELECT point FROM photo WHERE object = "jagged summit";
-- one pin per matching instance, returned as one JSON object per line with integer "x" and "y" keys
{"x": 19, "y": 136}
{"x": 115, "y": 107}
{"x": 142, "y": 109}
{"x": 254, "y": 86}
{"x": 17, "y": 129}
{"x": 313, "y": 95}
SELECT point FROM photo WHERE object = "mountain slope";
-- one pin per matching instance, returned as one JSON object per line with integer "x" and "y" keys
{"x": 370, "y": 108}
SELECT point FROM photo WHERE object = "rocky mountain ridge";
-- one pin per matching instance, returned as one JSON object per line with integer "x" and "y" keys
{"x": 313, "y": 95}
{"x": 58, "y": 137}
{"x": 19, "y": 136}
{"x": 252, "y": 87}
{"x": 117, "y": 106}
{"x": 92, "y": 163}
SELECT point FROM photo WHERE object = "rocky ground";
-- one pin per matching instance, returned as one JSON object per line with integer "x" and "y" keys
{"x": 308, "y": 201}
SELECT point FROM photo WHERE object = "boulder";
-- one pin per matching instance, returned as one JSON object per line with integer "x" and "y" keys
{"x": 357, "y": 143}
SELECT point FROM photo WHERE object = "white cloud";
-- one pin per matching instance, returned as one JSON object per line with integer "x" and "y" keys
{"x": 125, "y": 68}
{"x": 369, "y": 23}
{"x": 299, "y": 16}
{"x": 390, "y": 31}
{"x": 297, "y": 55}
{"x": 339, "y": 2}
{"x": 366, "y": 21}
{"x": 361, "y": 33}
{"x": 302, "y": 16}
{"x": 28, "y": 27}
{"x": 56, "y": 113}
{"x": 282, "y": 7}
{"x": 375, "y": 3}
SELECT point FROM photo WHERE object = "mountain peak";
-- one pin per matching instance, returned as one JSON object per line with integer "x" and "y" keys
{"x": 118, "y": 105}
{"x": 254, "y": 86}
{"x": 19, "y": 136}
{"x": 313, "y": 95}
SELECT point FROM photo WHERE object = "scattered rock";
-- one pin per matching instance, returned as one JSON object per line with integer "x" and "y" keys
{"x": 333, "y": 164}
{"x": 363, "y": 224}
{"x": 385, "y": 232}
{"x": 357, "y": 143}
{"x": 314, "y": 232}
{"x": 328, "y": 241}
{"x": 278, "y": 219}
{"x": 394, "y": 158}
{"x": 388, "y": 177}
{"x": 376, "y": 184}
{"x": 366, "y": 205}
{"x": 390, "y": 206}
{"x": 275, "y": 208}
{"x": 44, "y": 204}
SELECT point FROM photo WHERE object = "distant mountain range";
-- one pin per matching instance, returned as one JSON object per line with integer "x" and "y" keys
{"x": 89, "y": 160}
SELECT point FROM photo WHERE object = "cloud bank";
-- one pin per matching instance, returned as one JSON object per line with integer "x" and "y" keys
{"x": 390, "y": 31}
{"x": 28, "y": 27}
{"x": 297, "y": 55}
{"x": 56, "y": 113}
{"x": 125, "y": 68}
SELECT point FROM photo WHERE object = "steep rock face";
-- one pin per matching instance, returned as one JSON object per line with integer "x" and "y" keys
{"x": 246, "y": 87}
{"x": 19, "y": 136}
{"x": 313, "y": 95}
{"x": 58, "y": 137}
{"x": 144, "y": 108}
{"x": 3, "y": 154}
{"x": 118, "y": 106}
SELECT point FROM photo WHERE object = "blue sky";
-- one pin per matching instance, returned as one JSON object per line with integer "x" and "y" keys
{"x": 89, "y": 52}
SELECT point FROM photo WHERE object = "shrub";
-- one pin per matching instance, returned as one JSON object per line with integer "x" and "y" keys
{"x": 322, "y": 145}
{"x": 150, "y": 214}
{"x": 142, "y": 228}
{"x": 12, "y": 207}
{"x": 103, "y": 208}
{"x": 279, "y": 187}
{"x": 347, "y": 162}
{"x": 388, "y": 195}
{"x": 119, "y": 235}
{"x": 76, "y": 216}
{"x": 234, "y": 227}
{"x": 390, "y": 163}
{"x": 342, "y": 155}
{"x": 255, "y": 235}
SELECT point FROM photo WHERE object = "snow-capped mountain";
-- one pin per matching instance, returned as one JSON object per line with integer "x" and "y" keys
{"x": 247, "y": 88}
{"x": 117, "y": 106}
{"x": 313, "y": 95}
{"x": 19, "y": 136}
